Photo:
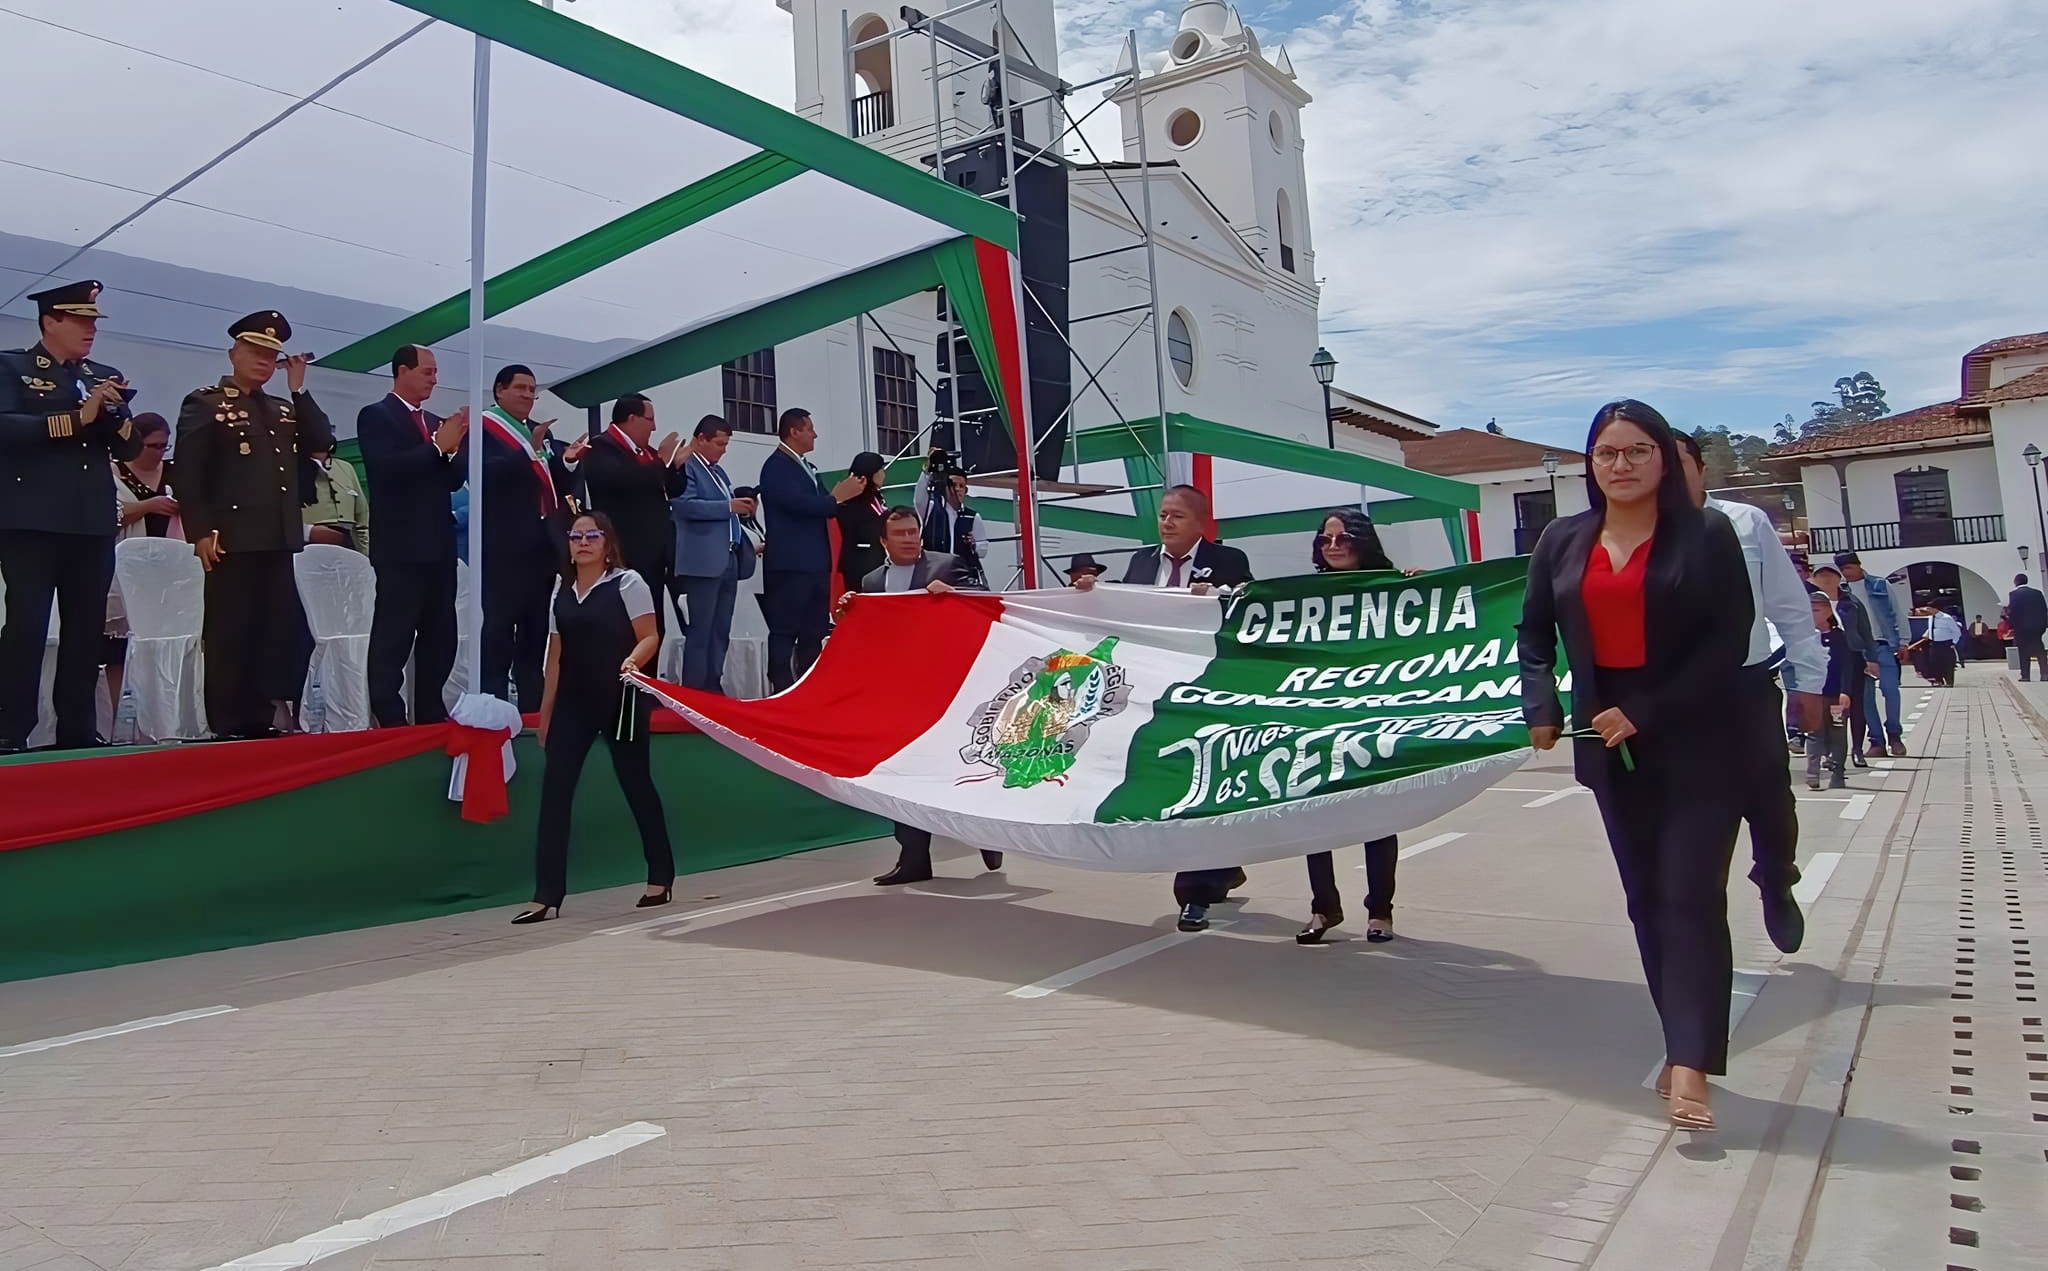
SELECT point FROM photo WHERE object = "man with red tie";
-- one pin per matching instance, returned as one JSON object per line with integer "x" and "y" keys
{"x": 411, "y": 466}
{"x": 630, "y": 478}
{"x": 525, "y": 509}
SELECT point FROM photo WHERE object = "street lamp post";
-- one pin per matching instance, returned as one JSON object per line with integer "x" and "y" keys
{"x": 2032, "y": 454}
{"x": 1325, "y": 368}
{"x": 1550, "y": 470}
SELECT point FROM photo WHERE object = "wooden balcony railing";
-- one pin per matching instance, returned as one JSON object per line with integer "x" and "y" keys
{"x": 1877, "y": 536}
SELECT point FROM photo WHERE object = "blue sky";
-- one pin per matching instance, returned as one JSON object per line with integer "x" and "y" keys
{"x": 1523, "y": 208}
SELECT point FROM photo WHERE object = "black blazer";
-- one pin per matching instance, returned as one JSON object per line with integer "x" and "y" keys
{"x": 635, "y": 496}
{"x": 54, "y": 472}
{"x": 1698, "y": 614}
{"x": 408, "y": 482}
{"x": 860, "y": 538}
{"x": 2027, "y": 611}
{"x": 1227, "y": 566}
{"x": 512, "y": 521}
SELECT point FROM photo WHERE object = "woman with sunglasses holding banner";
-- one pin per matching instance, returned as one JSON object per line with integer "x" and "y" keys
{"x": 1650, "y": 596}
{"x": 600, "y": 625}
{"x": 1347, "y": 542}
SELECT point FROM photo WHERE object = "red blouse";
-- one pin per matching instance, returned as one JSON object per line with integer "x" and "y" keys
{"x": 1614, "y": 607}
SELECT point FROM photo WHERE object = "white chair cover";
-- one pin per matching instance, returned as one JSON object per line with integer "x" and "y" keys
{"x": 746, "y": 657}
{"x": 339, "y": 591}
{"x": 465, "y": 639}
{"x": 163, "y": 588}
{"x": 668, "y": 662}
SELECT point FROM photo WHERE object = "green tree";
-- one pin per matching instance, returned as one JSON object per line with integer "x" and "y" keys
{"x": 1859, "y": 398}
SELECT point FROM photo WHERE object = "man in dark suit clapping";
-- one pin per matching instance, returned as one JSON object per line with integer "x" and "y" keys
{"x": 907, "y": 566}
{"x": 796, "y": 582}
{"x": 410, "y": 466}
{"x": 629, "y": 478}
{"x": 1185, "y": 558}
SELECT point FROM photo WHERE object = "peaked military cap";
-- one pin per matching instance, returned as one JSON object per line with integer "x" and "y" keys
{"x": 265, "y": 330}
{"x": 73, "y": 299}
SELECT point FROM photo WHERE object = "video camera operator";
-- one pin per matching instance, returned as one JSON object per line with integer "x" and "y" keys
{"x": 950, "y": 526}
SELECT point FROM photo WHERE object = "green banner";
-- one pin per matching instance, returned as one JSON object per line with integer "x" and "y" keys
{"x": 1335, "y": 683}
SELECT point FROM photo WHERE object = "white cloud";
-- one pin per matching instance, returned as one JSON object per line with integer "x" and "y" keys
{"x": 1492, "y": 180}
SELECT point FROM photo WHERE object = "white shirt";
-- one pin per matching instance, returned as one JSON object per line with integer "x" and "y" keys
{"x": 1942, "y": 626}
{"x": 1187, "y": 569}
{"x": 1778, "y": 597}
{"x": 632, "y": 589}
{"x": 897, "y": 577}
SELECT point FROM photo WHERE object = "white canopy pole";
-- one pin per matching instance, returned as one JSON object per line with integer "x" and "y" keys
{"x": 479, "y": 370}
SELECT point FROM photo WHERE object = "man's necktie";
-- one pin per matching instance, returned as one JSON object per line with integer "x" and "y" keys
{"x": 419, "y": 419}
{"x": 1173, "y": 579}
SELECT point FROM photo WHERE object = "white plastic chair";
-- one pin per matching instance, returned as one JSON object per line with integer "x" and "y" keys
{"x": 163, "y": 588}
{"x": 746, "y": 656}
{"x": 339, "y": 590}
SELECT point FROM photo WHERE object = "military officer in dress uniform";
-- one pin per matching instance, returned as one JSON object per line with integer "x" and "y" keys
{"x": 238, "y": 493}
{"x": 62, "y": 417}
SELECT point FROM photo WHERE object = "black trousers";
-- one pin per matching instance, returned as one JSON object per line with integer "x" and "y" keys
{"x": 515, "y": 635}
{"x": 798, "y": 610}
{"x": 1672, "y": 830}
{"x": 1205, "y": 886}
{"x": 571, "y": 733}
{"x": 2030, "y": 653}
{"x": 250, "y": 640}
{"x": 1327, "y": 899}
{"x": 415, "y": 617}
{"x": 914, "y": 850}
{"x": 73, "y": 572}
{"x": 1768, "y": 803}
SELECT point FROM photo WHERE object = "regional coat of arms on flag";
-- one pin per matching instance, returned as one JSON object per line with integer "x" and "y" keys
{"x": 1034, "y": 727}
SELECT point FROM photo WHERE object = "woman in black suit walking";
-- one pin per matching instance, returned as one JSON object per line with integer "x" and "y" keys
{"x": 1349, "y": 542}
{"x": 1651, "y": 598}
{"x": 600, "y": 625}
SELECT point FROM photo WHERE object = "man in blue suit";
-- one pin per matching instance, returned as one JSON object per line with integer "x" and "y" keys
{"x": 410, "y": 466}
{"x": 713, "y": 552}
{"x": 796, "y": 585}
{"x": 1888, "y": 626}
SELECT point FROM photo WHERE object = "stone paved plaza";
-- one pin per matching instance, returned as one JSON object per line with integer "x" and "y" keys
{"x": 1033, "y": 1070}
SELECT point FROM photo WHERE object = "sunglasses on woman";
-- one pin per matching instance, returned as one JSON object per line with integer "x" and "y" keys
{"x": 586, "y": 536}
{"x": 1336, "y": 540}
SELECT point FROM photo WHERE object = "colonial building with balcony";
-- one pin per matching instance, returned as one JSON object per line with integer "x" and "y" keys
{"x": 1946, "y": 497}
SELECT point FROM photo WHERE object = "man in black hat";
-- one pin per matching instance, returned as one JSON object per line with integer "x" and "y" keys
{"x": 238, "y": 463}
{"x": 63, "y": 418}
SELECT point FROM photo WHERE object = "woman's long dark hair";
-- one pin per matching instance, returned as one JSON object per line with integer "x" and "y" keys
{"x": 1672, "y": 493}
{"x": 1359, "y": 526}
{"x": 613, "y": 558}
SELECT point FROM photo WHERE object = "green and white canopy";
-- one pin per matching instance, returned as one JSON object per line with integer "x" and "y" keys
{"x": 209, "y": 158}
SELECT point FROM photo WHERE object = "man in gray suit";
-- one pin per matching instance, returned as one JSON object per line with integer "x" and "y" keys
{"x": 910, "y": 567}
{"x": 713, "y": 553}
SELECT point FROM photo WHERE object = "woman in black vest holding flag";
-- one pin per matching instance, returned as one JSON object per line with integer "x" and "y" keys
{"x": 600, "y": 625}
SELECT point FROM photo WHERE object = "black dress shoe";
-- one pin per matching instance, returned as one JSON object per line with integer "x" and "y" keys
{"x": 649, "y": 901}
{"x": 1194, "y": 918}
{"x": 9, "y": 746}
{"x": 1783, "y": 920}
{"x": 991, "y": 860}
{"x": 899, "y": 876}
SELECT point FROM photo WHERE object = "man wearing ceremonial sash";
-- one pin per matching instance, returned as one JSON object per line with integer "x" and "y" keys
{"x": 525, "y": 501}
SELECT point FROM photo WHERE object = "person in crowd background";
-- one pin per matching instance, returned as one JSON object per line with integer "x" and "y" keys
{"x": 2026, "y": 610}
{"x": 1855, "y": 625}
{"x": 600, "y": 625}
{"x": 524, "y": 511}
{"x": 860, "y": 520}
{"x": 147, "y": 509}
{"x": 1650, "y": 595}
{"x": 1828, "y": 746}
{"x": 412, "y": 465}
{"x": 1944, "y": 633}
{"x": 907, "y": 565}
{"x": 1348, "y": 541}
{"x": 63, "y": 419}
{"x": 713, "y": 553}
{"x": 796, "y": 581}
{"x": 630, "y": 478}
{"x": 1889, "y": 634}
{"x": 238, "y": 495}
{"x": 331, "y": 501}
{"x": 949, "y": 524}
{"x": 1184, "y": 557}
{"x": 1778, "y": 599}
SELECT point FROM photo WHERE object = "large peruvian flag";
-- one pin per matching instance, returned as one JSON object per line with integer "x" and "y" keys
{"x": 1141, "y": 729}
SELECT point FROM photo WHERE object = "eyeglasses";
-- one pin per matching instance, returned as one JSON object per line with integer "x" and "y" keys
{"x": 1637, "y": 455}
{"x": 586, "y": 536}
{"x": 156, "y": 445}
{"x": 1334, "y": 540}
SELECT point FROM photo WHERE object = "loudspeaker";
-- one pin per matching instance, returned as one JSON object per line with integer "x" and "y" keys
{"x": 1042, "y": 257}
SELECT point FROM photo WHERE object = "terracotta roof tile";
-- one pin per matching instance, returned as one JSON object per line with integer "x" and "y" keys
{"x": 1977, "y": 362}
{"x": 1938, "y": 422}
{"x": 2032, "y": 384}
{"x": 1456, "y": 451}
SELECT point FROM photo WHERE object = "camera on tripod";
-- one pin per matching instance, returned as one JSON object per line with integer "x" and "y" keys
{"x": 942, "y": 462}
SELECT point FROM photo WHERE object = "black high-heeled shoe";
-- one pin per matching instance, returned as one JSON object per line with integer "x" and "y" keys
{"x": 545, "y": 913}
{"x": 1318, "y": 927}
{"x": 649, "y": 901}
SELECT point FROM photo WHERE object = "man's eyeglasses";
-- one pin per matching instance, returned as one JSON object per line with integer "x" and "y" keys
{"x": 586, "y": 536}
{"x": 156, "y": 445}
{"x": 1336, "y": 540}
{"x": 1637, "y": 455}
